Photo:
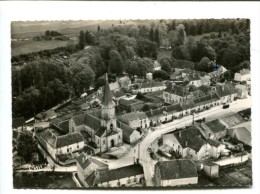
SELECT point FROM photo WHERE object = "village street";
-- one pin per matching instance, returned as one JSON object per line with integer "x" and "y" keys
{"x": 145, "y": 158}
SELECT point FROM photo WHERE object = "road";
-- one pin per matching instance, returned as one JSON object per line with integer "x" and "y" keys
{"x": 145, "y": 159}
{"x": 147, "y": 162}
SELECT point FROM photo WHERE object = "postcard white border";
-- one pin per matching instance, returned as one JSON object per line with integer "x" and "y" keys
{"x": 16, "y": 11}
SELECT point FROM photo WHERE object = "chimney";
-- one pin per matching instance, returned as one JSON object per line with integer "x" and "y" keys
{"x": 83, "y": 159}
{"x": 186, "y": 143}
{"x": 179, "y": 133}
{"x": 223, "y": 87}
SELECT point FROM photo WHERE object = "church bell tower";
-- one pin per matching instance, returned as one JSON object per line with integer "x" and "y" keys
{"x": 108, "y": 114}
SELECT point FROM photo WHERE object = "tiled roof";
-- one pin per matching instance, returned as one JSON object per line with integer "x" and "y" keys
{"x": 181, "y": 64}
{"x": 177, "y": 90}
{"x": 193, "y": 77}
{"x": 125, "y": 102}
{"x": 188, "y": 104}
{"x": 206, "y": 99}
{"x": 132, "y": 116}
{"x": 173, "y": 108}
{"x": 126, "y": 130}
{"x": 216, "y": 126}
{"x": 64, "y": 125}
{"x": 242, "y": 134}
{"x": 17, "y": 122}
{"x": 48, "y": 137}
{"x": 84, "y": 161}
{"x": 79, "y": 119}
{"x": 68, "y": 139}
{"x": 119, "y": 173}
{"x": 213, "y": 143}
{"x": 242, "y": 87}
{"x": 177, "y": 169}
{"x": 100, "y": 131}
{"x": 232, "y": 120}
{"x": 190, "y": 137}
{"x": 154, "y": 113}
{"x": 91, "y": 179}
{"x": 225, "y": 90}
{"x": 92, "y": 122}
{"x": 118, "y": 94}
{"x": 152, "y": 84}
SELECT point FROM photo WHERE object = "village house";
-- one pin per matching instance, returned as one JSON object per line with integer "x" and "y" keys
{"x": 172, "y": 112}
{"x": 217, "y": 73}
{"x": 226, "y": 92}
{"x": 205, "y": 80}
{"x": 233, "y": 120}
{"x": 188, "y": 143}
{"x": 217, "y": 148}
{"x": 175, "y": 94}
{"x": 151, "y": 87}
{"x": 193, "y": 79}
{"x": 124, "y": 82}
{"x": 130, "y": 135}
{"x": 243, "y": 75}
{"x": 242, "y": 134}
{"x": 206, "y": 102}
{"x": 119, "y": 177}
{"x": 46, "y": 116}
{"x": 99, "y": 128}
{"x": 149, "y": 76}
{"x": 175, "y": 173}
{"x": 86, "y": 165}
{"x": 242, "y": 91}
{"x": 155, "y": 116}
{"x": 188, "y": 107}
{"x": 211, "y": 169}
{"x": 214, "y": 129}
{"x": 57, "y": 144}
{"x": 135, "y": 119}
{"x": 131, "y": 105}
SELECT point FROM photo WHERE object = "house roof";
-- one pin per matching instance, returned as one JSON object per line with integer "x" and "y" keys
{"x": 188, "y": 104}
{"x": 17, "y": 122}
{"x": 154, "y": 113}
{"x": 182, "y": 64}
{"x": 173, "y": 108}
{"x": 152, "y": 84}
{"x": 177, "y": 169}
{"x": 190, "y": 137}
{"x": 68, "y": 139}
{"x": 47, "y": 114}
{"x": 216, "y": 126}
{"x": 242, "y": 134}
{"x": 125, "y": 102}
{"x": 177, "y": 90}
{"x": 242, "y": 87}
{"x": 244, "y": 71}
{"x": 107, "y": 97}
{"x": 100, "y": 131}
{"x": 213, "y": 142}
{"x": 206, "y": 99}
{"x": 132, "y": 116}
{"x": 119, "y": 173}
{"x": 92, "y": 122}
{"x": 118, "y": 93}
{"x": 126, "y": 130}
{"x": 64, "y": 126}
{"x": 205, "y": 79}
{"x": 232, "y": 120}
{"x": 225, "y": 89}
{"x": 91, "y": 179}
{"x": 193, "y": 77}
{"x": 84, "y": 161}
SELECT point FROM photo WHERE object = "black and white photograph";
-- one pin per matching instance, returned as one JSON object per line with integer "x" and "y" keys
{"x": 131, "y": 104}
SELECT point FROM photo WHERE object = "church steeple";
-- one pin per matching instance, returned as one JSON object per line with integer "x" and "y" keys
{"x": 107, "y": 97}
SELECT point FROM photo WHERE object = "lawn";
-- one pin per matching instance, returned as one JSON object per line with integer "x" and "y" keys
{"x": 28, "y": 46}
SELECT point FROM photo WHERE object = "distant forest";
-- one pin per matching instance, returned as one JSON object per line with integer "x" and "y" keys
{"x": 40, "y": 80}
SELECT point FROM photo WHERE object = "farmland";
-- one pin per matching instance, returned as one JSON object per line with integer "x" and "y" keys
{"x": 28, "y": 46}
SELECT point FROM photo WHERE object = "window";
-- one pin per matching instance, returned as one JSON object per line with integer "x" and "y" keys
{"x": 97, "y": 141}
{"x": 68, "y": 149}
{"x": 119, "y": 137}
{"x": 104, "y": 142}
{"x": 77, "y": 146}
{"x": 111, "y": 126}
{"x": 135, "y": 179}
{"x": 129, "y": 181}
{"x": 118, "y": 183}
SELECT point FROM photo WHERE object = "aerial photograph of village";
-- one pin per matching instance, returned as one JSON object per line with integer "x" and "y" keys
{"x": 131, "y": 104}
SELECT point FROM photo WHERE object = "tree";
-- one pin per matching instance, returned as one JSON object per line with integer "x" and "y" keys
{"x": 181, "y": 34}
{"x": 26, "y": 145}
{"x": 83, "y": 80}
{"x": 181, "y": 53}
{"x": 204, "y": 65}
{"x": 160, "y": 74}
{"x": 144, "y": 65}
{"x": 166, "y": 66}
{"x": 146, "y": 48}
{"x": 146, "y": 107}
{"x": 151, "y": 34}
{"x": 115, "y": 62}
{"x": 98, "y": 28}
{"x": 82, "y": 40}
{"x": 157, "y": 37}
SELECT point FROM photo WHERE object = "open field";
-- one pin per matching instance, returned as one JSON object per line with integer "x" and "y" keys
{"x": 28, "y": 46}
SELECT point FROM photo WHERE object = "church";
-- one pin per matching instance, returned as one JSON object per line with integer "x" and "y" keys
{"x": 98, "y": 128}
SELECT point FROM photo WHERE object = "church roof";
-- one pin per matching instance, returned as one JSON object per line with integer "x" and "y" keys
{"x": 107, "y": 96}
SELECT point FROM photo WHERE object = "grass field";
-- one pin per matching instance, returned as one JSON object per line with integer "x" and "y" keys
{"x": 28, "y": 46}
